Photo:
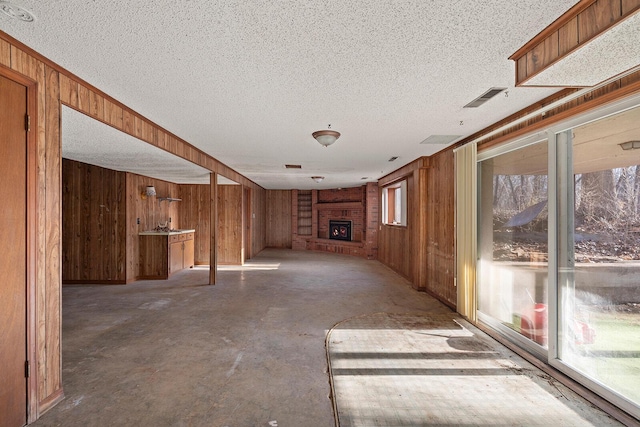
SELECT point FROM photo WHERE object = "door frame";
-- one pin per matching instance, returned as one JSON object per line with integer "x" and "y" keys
{"x": 31, "y": 231}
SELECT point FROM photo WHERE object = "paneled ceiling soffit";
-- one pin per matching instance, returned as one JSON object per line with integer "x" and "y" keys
{"x": 593, "y": 41}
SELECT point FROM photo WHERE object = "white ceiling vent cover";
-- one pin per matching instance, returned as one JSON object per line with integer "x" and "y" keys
{"x": 440, "y": 139}
{"x": 485, "y": 97}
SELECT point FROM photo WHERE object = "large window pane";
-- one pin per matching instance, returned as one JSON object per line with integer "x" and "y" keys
{"x": 599, "y": 276}
{"x": 512, "y": 250}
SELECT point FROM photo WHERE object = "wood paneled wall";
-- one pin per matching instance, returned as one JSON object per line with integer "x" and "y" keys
{"x": 195, "y": 213}
{"x": 278, "y": 218}
{"x": 230, "y": 224}
{"x": 46, "y": 384}
{"x": 395, "y": 243}
{"x": 423, "y": 251}
{"x": 440, "y": 228}
{"x": 56, "y": 86}
{"x": 258, "y": 221}
{"x": 93, "y": 224}
{"x": 150, "y": 211}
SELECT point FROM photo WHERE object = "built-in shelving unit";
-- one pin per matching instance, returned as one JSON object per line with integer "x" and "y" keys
{"x": 304, "y": 213}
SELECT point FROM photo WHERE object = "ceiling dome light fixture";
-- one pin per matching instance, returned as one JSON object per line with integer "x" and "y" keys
{"x": 326, "y": 137}
{"x": 317, "y": 179}
{"x": 17, "y": 12}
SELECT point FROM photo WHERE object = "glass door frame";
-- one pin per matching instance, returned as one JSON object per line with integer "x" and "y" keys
{"x": 555, "y": 135}
{"x": 560, "y": 137}
{"x": 529, "y": 140}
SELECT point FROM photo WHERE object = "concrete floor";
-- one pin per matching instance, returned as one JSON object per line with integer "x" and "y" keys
{"x": 401, "y": 370}
{"x": 249, "y": 351}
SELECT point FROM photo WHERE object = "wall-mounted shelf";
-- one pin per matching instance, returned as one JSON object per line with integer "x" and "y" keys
{"x": 168, "y": 199}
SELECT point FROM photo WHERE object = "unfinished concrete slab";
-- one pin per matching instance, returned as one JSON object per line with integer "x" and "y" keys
{"x": 249, "y": 351}
{"x": 436, "y": 370}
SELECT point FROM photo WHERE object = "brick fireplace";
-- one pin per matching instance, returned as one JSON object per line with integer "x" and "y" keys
{"x": 341, "y": 220}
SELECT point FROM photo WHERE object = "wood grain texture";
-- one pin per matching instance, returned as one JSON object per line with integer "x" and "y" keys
{"x": 194, "y": 211}
{"x": 278, "y": 218}
{"x": 113, "y": 114}
{"x": 84, "y": 99}
{"x": 230, "y": 219}
{"x": 629, "y": 6}
{"x": 259, "y": 224}
{"x": 213, "y": 244}
{"x": 440, "y": 228}
{"x": 53, "y": 212}
{"x": 15, "y": 259}
{"x": 149, "y": 210}
{"x": 155, "y": 258}
{"x": 24, "y": 63}
{"x": 42, "y": 220}
{"x": 596, "y": 18}
{"x": 5, "y": 53}
{"x": 94, "y": 224}
{"x": 68, "y": 91}
{"x": 396, "y": 244}
{"x": 567, "y": 37}
{"x": 96, "y": 106}
{"x": 580, "y": 24}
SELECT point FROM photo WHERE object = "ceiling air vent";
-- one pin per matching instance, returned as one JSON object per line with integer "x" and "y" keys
{"x": 440, "y": 139}
{"x": 293, "y": 166}
{"x": 485, "y": 97}
{"x": 393, "y": 158}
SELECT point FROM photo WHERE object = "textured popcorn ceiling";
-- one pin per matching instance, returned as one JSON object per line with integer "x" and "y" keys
{"x": 90, "y": 141}
{"x": 249, "y": 81}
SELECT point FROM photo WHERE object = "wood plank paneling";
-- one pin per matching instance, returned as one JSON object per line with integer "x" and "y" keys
{"x": 596, "y": 18}
{"x": 52, "y": 209}
{"x": 567, "y": 37}
{"x": 96, "y": 106}
{"x": 68, "y": 91}
{"x": 84, "y": 99}
{"x": 629, "y": 6}
{"x": 113, "y": 114}
{"x": 24, "y": 63}
{"x": 395, "y": 243}
{"x": 5, "y": 53}
{"x": 259, "y": 221}
{"x": 149, "y": 210}
{"x": 195, "y": 214}
{"x": 580, "y": 24}
{"x": 213, "y": 263}
{"x": 229, "y": 237}
{"x": 94, "y": 224}
{"x": 440, "y": 227}
{"x": 278, "y": 217}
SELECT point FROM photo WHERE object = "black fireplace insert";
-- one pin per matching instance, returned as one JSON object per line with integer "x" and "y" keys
{"x": 340, "y": 230}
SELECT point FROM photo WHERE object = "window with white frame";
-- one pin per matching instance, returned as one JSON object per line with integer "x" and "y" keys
{"x": 394, "y": 204}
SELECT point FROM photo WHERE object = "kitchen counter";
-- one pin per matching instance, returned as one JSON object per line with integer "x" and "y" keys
{"x": 164, "y": 233}
{"x": 163, "y": 253}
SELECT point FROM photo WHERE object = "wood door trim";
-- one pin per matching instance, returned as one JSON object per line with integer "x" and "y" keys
{"x": 31, "y": 231}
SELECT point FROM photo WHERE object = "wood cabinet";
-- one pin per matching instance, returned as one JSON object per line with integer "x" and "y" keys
{"x": 161, "y": 255}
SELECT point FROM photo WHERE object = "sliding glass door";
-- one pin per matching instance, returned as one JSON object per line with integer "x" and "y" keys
{"x": 558, "y": 253}
{"x": 512, "y": 241}
{"x": 599, "y": 252}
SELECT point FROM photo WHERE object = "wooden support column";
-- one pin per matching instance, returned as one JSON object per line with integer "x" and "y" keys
{"x": 420, "y": 235}
{"x": 213, "y": 258}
